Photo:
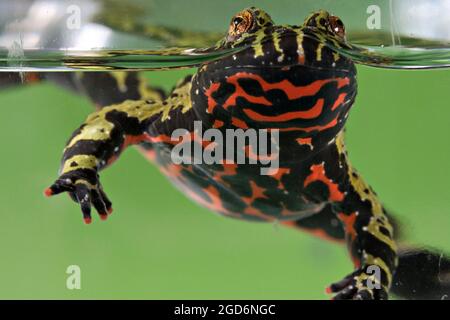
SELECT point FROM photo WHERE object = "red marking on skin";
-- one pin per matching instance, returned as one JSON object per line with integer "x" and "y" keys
{"x": 218, "y": 124}
{"x": 162, "y": 138}
{"x": 214, "y": 196}
{"x": 103, "y": 216}
{"x": 319, "y": 233}
{"x": 87, "y": 220}
{"x": 328, "y": 290}
{"x": 286, "y": 212}
{"x": 301, "y": 59}
{"x": 211, "y": 102}
{"x": 240, "y": 93}
{"x": 239, "y": 123}
{"x": 305, "y": 141}
{"x": 292, "y": 91}
{"x": 192, "y": 136}
{"x": 48, "y": 192}
{"x": 312, "y": 113}
{"x": 349, "y": 223}
{"x": 210, "y": 146}
{"x": 356, "y": 262}
{"x": 278, "y": 173}
{"x": 229, "y": 169}
{"x": 172, "y": 170}
{"x": 130, "y": 140}
{"x": 165, "y": 171}
{"x": 343, "y": 82}
{"x": 110, "y": 210}
{"x": 256, "y": 213}
{"x": 339, "y": 101}
{"x": 204, "y": 143}
{"x": 257, "y": 192}
{"x": 215, "y": 204}
{"x": 318, "y": 174}
{"x": 32, "y": 77}
{"x": 150, "y": 155}
{"x": 111, "y": 160}
{"x": 188, "y": 167}
{"x": 255, "y": 156}
{"x": 313, "y": 128}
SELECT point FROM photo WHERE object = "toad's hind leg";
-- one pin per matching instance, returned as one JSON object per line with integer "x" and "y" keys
{"x": 102, "y": 88}
{"x": 108, "y": 88}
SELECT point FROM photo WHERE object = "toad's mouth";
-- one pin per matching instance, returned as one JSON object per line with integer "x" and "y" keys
{"x": 292, "y": 47}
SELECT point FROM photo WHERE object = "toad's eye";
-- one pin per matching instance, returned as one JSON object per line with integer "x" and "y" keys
{"x": 237, "y": 22}
{"x": 337, "y": 26}
{"x": 241, "y": 23}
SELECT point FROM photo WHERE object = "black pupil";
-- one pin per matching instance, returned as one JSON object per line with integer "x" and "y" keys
{"x": 337, "y": 25}
{"x": 237, "y": 20}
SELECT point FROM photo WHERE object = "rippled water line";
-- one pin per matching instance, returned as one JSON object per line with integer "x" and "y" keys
{"x": 399, "y": 57}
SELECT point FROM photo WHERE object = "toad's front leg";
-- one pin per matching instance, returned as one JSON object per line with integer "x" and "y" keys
{"x": 369, "y": 236}
{"x": 95, "y": 145}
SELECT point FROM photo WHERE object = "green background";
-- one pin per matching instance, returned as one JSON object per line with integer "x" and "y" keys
{"x": 157, "y": 244}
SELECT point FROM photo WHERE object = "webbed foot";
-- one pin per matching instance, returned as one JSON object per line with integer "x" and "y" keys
{"x": 84, "y": 187}
{"x": 359, "y": 285}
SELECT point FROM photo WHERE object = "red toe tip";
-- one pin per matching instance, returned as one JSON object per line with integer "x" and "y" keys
{"x": 87, "y": 220}
{"x": 110, "y": 210}
{"x": 328, "y": 290}
{"x": 103, "y": 217}
{"x": 48, "y": 192}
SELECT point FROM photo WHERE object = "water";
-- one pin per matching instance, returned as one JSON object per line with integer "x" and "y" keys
{"x": 399, "y": 57}
{"x": 107, "y": 60}
{"x": 409, "y": 53}
{"x": 100, "y": 35}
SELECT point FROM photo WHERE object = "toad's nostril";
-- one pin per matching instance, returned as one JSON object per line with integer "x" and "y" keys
{"x": 231, "y": 37}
